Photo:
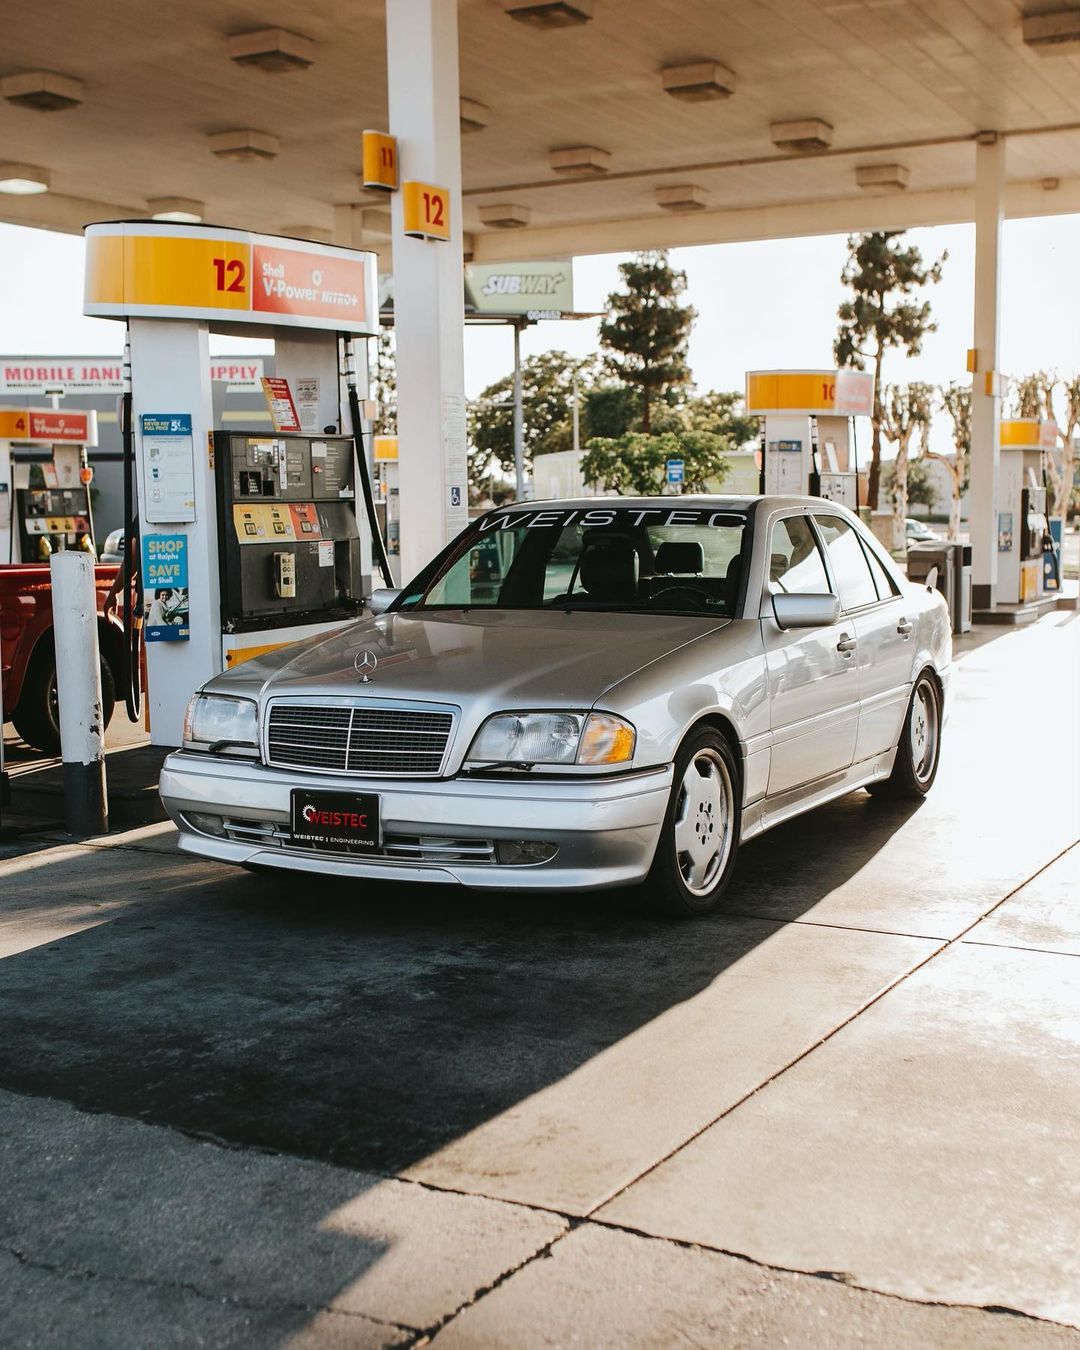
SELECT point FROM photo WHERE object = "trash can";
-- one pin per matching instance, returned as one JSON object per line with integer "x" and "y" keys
{"x": 953, "y": 563}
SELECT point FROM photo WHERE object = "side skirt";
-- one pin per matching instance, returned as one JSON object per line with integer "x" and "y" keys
{"x": 770, "y": 811}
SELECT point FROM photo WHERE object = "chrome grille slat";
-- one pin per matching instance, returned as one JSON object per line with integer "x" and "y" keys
{"x": 402, "y": 741}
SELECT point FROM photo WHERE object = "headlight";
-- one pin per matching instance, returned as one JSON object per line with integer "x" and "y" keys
{"x": 554, "y": 738}
{"x": 216, "y": 722}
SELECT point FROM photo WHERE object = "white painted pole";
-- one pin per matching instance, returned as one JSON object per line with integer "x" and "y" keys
{"x": 78, "y": 688}
{"x": 429, "y": 294}
{"x": 985, "y": 390}
{"x": 519, "y": 420}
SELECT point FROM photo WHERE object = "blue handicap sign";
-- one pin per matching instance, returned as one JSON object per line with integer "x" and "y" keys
{"x": 675, "y": 470}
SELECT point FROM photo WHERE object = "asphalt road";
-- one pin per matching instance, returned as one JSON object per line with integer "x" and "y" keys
{"x": 250, "y": 1112}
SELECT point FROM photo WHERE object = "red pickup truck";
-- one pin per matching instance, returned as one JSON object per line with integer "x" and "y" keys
{"x": 27, "y": 659}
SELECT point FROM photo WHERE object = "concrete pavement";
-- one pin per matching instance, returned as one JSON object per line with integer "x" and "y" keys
{"x": 238, "y": 1112}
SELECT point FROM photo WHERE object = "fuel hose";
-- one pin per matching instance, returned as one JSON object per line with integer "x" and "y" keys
{"x": 377, "y": 542}
{"x": 130, "y": 571}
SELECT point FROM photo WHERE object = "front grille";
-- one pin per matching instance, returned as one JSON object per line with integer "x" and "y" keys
{"x": 395, "y": 847}
{"x": 358, "y": 740}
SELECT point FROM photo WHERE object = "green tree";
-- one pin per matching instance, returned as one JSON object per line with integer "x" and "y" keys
{"x": 647, "y": 329}
{"x": 883, "y": 312}
{"x": 718, "y": 411}
{"x": 384, "y": 383}
{"x": 634, "y": 464}
{"x": 956, "y": 401}
{"x": 906, "y": 415}
{"x": 547, "y": 393}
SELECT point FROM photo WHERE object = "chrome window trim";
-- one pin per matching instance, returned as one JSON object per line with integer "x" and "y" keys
{"x": 351, "y": 701}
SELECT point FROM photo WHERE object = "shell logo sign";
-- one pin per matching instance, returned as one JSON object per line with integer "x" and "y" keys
{"x": 152, "y": 270}
{"x": 835, "y": 393}
{"x": 46, "y": 426}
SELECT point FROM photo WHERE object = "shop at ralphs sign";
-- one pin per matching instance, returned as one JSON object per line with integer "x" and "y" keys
{"x": 165, "y": 588}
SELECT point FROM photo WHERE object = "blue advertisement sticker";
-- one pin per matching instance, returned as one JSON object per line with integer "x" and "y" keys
{"x": 165, "y": 588}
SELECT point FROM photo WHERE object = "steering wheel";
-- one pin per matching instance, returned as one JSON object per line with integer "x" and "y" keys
{"x": 685, "y": 593}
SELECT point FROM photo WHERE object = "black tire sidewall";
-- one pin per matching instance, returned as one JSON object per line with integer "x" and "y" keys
{"x": 35, "y": 719}
{"x": 665, "y": 880}
{"x": 904, "y": 774}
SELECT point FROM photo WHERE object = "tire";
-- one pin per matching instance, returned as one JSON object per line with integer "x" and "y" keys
{"x": 700, "y": 835}
{"x": 919, "y": 750}
{"x": 37, "y": 714}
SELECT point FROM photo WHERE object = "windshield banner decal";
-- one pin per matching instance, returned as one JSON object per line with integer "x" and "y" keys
{"x": 601, "y": 516}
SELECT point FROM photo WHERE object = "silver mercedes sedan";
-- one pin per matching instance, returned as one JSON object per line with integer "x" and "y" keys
{"x": 579, "y": 694}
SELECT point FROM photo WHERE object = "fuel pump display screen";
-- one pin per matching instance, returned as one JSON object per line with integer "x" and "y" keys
{"x": 289, "y": 534}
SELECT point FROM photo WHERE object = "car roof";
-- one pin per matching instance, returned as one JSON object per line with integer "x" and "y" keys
{"x": 743, "y": 503}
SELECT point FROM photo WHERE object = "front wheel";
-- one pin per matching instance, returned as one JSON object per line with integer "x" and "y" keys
{"x": 37, "y": 715}
{"x": 919, "y": 750}
{"x": 700, "y": 838}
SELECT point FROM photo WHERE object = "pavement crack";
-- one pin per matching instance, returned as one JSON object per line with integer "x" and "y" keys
{"x": 238, "y": 1301}
{"x": 844, "y": 1277}
{"x": 428, "y": 1334}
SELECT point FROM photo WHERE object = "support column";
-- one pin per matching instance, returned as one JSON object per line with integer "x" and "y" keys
{"x": 985, "y": 382}
{"x": 422, "y": 78}
{"x": 170, "y": 372}
{"x": 519, "y": 421}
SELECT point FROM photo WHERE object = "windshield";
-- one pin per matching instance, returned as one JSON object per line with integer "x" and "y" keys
{"x": 652, "y": 560}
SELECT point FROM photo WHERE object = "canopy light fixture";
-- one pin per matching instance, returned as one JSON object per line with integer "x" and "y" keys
{"x": 881, "y": 177}
{"x": 1053, "y": 34}
{"x": 550, "y": 13}
{"x": 42, "y": 90}
{"x": 23, "y": 180}
{"x": 681, "y": 197}
{"x": 806, "y": 135}
{"x": 579, "y": 161}
{"x": 473, "y": 116}
{"x": 243, "y": 145}
{"x": 698, "y": 81}
{"x": 505, "y": 216}
{"x": 274, "y": 50}
{"x": 180, "y": 210}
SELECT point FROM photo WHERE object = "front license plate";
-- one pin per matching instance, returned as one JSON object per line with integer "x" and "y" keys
{"x": 335, "y": 819}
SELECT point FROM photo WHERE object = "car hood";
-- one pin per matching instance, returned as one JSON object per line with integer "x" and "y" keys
{"x": 502, "y": 658}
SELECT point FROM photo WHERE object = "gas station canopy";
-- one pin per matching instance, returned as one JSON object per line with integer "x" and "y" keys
{"x": 593, "y": 125}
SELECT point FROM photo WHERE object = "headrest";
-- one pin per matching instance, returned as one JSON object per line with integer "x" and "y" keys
{"x": 609, "y": 570}
{"x": 679, "y": 556}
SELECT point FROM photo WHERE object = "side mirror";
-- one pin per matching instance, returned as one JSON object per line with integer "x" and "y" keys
{"x": 805, "y": 611}
{"x": 382, "y": 599}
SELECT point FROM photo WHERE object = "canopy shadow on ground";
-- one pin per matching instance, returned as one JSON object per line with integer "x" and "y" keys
{"x": 365, "y": 1027}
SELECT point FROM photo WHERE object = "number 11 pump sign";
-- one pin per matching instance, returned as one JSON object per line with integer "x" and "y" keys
{"x": 153, "y": 270}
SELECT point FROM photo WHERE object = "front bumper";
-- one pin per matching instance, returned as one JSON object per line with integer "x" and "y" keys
{"x": 605, "y": 830}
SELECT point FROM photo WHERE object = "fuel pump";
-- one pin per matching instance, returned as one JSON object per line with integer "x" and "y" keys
{"x": 807, "y": 430}
{"x": 1023, "y": 528}
{"x": 249, "y": 537}
{"x": 47, "y": 505}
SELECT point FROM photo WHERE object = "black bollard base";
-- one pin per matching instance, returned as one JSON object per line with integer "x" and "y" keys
{"x": 86, "y": 803}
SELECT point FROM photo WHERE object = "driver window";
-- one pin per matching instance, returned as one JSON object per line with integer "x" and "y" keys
{"x": 795, "y": 563}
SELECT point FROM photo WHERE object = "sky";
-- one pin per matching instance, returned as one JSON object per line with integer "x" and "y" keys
{"x": 767, "y": 305}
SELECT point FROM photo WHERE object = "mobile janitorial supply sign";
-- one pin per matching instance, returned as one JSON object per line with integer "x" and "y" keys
{"x": 165, "y": 588}
{"x": 168, "y": 466}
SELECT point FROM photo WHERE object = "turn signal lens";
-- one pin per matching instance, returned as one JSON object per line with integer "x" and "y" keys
{"x": 607, "y": 739}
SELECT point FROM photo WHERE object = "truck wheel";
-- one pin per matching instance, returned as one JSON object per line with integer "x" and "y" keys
{"x": 37, "y": 714}
{"x": 700, "y": 838}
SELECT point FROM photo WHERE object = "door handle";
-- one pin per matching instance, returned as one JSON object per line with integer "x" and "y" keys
{"x": 846, "y": 645}
{"x": 904, "y": 628}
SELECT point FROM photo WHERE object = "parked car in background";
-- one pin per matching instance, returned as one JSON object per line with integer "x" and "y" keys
{"x": 577, "y": 694}
{"x": 917, "y": 532}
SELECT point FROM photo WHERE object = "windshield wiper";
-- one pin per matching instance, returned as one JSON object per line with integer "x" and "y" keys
{"x": 523, "y": 765}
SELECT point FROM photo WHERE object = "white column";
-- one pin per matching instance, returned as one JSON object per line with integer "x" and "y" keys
{"x": 78, "y": 692}
{"x": 422, "y": 77}
{"x": 985, "y": 392}
{"x": 170, "y": 373}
